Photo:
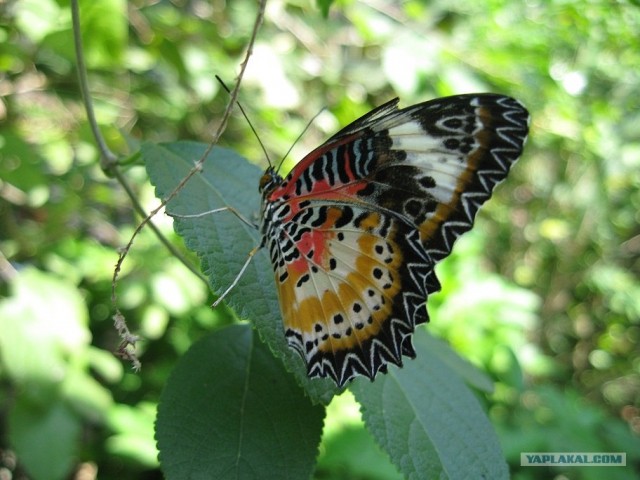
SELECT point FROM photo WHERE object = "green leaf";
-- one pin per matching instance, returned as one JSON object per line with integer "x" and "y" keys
{"x": 230, "y": 410}
{"x": 429, "y": 345}
{"x": 429, "y": 422}
{"x": 36, "y": 18}
{"x": 43, "y": 325}
{"x": 324, "y": 6}
{"x": 43, "y": 350}
{"x": 45, "y": 439}
{"x": 354, "y": 454}
{"x": 222, "y": 241}
{"x": 104, "y": 32}
{"x": 133, "y": 437}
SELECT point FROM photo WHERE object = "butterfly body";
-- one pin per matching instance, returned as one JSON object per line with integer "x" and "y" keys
{"x": 356, "y": 228}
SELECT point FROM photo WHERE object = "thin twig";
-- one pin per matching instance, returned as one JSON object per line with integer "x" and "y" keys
{"x": 138, "y": 208}
{"x": 7, "y": 271}
{"x": 129, "y": 340}
{"x": 107, "y": 158}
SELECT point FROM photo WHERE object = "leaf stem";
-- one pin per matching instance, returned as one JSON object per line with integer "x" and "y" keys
{"x": 107, "y": 158}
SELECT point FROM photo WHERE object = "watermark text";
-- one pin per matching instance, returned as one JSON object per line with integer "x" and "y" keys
{"x": 573, "y": 459}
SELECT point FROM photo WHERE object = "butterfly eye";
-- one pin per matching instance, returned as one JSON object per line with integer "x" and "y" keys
{"x": 265, "y": 180}
{"x": 270, "y": 180}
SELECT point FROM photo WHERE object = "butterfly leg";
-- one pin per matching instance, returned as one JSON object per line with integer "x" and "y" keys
{"x": 237, "y": 279}
{"x": 216, "y": 210}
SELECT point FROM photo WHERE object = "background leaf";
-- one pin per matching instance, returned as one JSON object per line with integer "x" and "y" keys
{"x": 33, "y": 429}
{"x": 44, "y": 344}
{"x": 230, "y": 410}
{"x": 429, "y": 346}
{"x": 429, "y": 422}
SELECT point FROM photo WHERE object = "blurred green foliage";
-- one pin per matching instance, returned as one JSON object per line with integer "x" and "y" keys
{"x": 544, "y": 295}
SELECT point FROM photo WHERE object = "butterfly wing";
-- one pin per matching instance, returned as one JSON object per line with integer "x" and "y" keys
{"x": 355, "y": 230}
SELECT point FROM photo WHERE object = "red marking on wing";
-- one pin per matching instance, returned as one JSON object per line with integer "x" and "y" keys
{"x": 315, "y": 241}
{"x": 318, "y": 187}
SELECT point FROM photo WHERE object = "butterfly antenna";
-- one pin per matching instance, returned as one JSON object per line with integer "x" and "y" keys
{"x": 299, "y": 137}
{"x": 244, "y": 114}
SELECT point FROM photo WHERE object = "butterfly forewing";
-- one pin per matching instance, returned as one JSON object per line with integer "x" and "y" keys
{"x": 356, "y": 228}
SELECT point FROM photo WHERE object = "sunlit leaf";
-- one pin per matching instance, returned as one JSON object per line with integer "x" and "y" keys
{"x": 43, "y": 323}
{"x": 133, "y": 433}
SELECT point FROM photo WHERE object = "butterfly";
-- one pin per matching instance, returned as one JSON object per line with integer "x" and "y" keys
{"x": 355, "y": 230}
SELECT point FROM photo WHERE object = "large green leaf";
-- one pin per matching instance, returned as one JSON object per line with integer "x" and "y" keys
{"x": 222, "y": 241}
{"x": 429, "y": 422}
{"x": 230, "y": 410}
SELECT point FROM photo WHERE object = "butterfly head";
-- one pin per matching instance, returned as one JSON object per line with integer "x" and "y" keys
{"x": 269, "y": 181}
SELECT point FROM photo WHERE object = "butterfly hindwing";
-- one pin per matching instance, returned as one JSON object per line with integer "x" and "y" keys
{"x": 341, "y": 292}
{"x": 355, "y": 230}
